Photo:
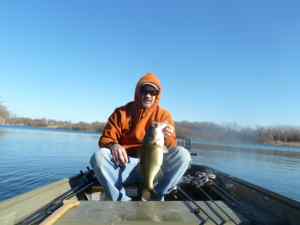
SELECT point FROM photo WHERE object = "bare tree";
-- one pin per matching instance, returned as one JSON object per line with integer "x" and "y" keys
{"x": 4, "y": 113}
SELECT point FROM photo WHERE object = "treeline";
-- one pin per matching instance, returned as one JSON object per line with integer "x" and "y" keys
{"x": 278, "y": 134}
{"x": 236, "y": 134}
{"x": 229, "y": 133}
{"x": 80, "y": 126}
{"x": 4, "y": 113}
{"x": 197, "y": 130}
{"x": 7, "y": 119}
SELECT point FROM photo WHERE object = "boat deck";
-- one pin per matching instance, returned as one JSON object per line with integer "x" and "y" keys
{"x": 223, "y": 201}
{"x": 144, "y": 213}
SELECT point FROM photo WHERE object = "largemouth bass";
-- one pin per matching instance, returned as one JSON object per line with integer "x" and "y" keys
{"x": 151, "y": 158}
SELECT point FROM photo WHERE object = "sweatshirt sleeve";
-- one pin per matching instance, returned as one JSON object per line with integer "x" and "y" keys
{"x": 170, "y": 141}
{"x": 112, "y": 130}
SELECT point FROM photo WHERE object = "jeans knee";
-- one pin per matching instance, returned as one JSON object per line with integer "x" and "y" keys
{"x": 184, "y": 155}
{"x": 99, "y": 158}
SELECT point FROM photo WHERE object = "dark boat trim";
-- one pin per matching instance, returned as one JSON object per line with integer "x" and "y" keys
{"x": 290, "y": 202}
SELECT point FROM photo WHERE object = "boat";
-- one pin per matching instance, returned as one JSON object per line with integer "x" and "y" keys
{"x": 204, "y": 196}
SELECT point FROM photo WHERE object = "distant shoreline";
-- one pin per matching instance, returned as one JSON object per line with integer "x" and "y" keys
{"x": 50, "y": 128}
{"x": 69, "y": 127}
{"x": 89, "y": 130}
{"x": 285, "y": 144}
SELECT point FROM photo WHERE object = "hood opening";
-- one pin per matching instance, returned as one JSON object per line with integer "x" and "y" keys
{"x": 150, "y": 79}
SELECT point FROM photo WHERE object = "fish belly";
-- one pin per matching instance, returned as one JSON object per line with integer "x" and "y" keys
{"x": 153, "y": 163}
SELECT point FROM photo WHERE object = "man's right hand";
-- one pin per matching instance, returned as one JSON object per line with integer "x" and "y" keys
{"x": 119, "y": 154}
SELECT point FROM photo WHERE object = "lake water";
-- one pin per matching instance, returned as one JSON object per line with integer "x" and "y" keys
{"x": 31, "y": 158}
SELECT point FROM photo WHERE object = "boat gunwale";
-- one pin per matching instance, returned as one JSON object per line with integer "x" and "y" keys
{"x": 273, "y": 195}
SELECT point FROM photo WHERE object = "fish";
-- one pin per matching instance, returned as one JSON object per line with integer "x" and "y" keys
{"x": 151, "y": 158}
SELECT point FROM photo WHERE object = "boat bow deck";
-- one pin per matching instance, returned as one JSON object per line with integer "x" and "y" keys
{"x": 144, "y": 213}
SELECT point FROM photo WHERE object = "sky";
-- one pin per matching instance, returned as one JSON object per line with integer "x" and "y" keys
{"x": 219, "y": 61}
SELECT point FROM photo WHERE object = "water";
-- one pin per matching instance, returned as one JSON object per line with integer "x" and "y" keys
{"x": 31, "y": 158}
{"x": 274, "y": 168}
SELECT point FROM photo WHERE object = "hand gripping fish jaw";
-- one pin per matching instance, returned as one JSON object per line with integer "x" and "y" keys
{"x": 155, "y": 133}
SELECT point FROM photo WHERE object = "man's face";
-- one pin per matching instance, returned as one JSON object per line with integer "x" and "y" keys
{"x": 149, "y": 94}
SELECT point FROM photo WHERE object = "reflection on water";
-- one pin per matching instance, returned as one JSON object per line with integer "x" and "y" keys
{"x": 30, "y": 158}
{"x": 2, "y": 133}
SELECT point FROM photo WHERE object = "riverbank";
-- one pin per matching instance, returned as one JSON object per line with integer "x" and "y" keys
{"x": 52, "y": 124}
{"x": 284, "y": 144}
{"x": 197, "y": 131}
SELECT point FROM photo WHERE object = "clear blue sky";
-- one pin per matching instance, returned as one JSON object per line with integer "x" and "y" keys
{"x": 219, "y": 61}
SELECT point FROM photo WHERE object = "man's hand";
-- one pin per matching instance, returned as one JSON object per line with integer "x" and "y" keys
{"x": 119, "y": 154}
{"x": 168, "y": 130}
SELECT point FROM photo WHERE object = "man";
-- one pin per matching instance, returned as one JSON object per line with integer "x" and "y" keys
{"x": 116, "y": 163}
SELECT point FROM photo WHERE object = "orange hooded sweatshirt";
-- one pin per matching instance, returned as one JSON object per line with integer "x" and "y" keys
{"x": 128, "y": 124}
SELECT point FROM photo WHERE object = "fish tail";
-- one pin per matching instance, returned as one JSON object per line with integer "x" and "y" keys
{"x": 146, "y": 195}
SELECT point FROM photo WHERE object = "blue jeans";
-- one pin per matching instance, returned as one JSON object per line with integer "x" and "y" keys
{"x": 113, "y": 177}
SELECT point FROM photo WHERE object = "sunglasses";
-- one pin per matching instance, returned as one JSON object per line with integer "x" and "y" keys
{"x": 151, "y": 92}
